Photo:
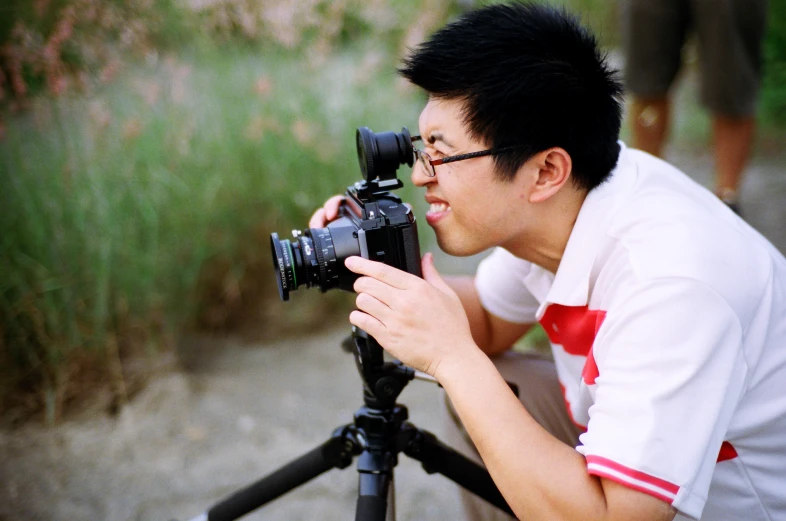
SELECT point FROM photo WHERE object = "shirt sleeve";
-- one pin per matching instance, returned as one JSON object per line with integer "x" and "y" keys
{"x": 670, "y": 373}
{"x": 499, "y": 281}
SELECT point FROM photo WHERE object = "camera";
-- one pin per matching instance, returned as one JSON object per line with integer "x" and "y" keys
{"x": 373, "y": 223}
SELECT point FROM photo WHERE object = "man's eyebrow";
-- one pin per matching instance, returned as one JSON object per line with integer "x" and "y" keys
{"x": 436, "y": 136}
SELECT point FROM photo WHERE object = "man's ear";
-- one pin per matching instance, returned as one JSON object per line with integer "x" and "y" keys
{"x": 554, "y": 167}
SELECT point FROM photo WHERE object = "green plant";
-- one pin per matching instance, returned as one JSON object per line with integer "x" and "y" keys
{"x": 128, "y": 214}
{"x": 774, "y": 88}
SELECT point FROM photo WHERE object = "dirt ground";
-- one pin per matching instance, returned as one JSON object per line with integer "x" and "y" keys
{"x": 233, "y": 412}
{"x": 193, "y": 436}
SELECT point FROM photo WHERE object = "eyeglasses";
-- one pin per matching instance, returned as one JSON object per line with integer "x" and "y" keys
{"x": 430, "y": 164}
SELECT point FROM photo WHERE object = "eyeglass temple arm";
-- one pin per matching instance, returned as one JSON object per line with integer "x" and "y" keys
{"x": 467, "y": 156}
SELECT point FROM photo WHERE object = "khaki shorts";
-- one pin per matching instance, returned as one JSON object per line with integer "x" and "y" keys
{"x": 729, "y": 34}
{"x": 540, "y": 393}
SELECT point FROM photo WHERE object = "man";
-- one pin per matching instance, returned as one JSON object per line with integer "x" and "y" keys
{"x": 666, "y": 312}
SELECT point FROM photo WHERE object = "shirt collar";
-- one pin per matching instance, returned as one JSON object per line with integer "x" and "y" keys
{"x": 571, "y": 283}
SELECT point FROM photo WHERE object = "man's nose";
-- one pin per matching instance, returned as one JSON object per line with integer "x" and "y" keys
{"x": 419, "y": 177}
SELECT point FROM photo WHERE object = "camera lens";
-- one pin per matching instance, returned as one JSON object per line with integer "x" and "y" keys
{"x": 315, "y": 258}
{"x": 381, "y": 154}
{"x": 285, "y": 265}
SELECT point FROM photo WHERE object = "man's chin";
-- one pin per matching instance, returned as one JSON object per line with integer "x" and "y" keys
{"x": 457, "y": 250}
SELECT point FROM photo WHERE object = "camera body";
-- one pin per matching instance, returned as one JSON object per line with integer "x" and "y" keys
{"x": 385, "y": 229}
{"x": 373, "y": 223}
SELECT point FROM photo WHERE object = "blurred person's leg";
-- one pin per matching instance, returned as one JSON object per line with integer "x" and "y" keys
{"x": 650, "y": 120}
{"x": 730, "y": 36}
{"x": 653, "y": 35}
{"x": 540, "y": 393}
{"x": 733, "y": 141}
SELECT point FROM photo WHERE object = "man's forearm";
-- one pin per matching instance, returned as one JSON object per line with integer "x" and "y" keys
{"x": 539, "y": 476}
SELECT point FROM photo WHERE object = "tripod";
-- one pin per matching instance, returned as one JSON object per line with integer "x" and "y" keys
{"x": 380, "y": 432}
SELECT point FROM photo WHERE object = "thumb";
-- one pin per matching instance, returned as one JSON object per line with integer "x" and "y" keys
{"x": 430, "y": 273}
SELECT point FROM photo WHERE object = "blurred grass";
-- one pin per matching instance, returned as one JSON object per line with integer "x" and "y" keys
{"x": 147, "y": 206}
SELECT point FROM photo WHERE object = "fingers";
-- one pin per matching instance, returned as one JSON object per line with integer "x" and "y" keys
{"x": 367, "y": 323}
{"x": 372, "y": 314}
{"x": 379, "y": 290}
{"x": 326, "y": 214}
{"x": 371, "y": 305}
{"x": 382, "y": 272}
{"x": 318, "y": 220}
{"x": 331, "y": 207}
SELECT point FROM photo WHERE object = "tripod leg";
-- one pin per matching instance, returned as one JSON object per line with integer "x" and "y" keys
{"x": 391, "y": 500}
{"x": 373, "y": 497}
{"x": 438, "y": 457}
{"x": 337, "y": 452}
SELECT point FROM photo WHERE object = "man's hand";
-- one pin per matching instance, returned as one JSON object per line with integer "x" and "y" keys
{"x": 326, "y": 214}
{"x": 419, "y": 321}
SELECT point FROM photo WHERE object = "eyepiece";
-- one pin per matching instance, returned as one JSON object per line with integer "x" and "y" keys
{"x": 381, "y": 154}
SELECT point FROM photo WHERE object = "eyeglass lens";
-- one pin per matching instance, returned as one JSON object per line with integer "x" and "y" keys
{"x": 425, "y": 161}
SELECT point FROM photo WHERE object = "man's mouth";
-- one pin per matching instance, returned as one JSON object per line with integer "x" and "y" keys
{"x": 437, "y": 210}
{"x": 438, "y": 207}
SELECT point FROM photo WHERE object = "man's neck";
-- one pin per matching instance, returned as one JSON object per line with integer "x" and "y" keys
{"x": 546, "y": 233}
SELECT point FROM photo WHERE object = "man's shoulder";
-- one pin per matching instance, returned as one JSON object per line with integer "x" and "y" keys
{"x": 650, "y": 247}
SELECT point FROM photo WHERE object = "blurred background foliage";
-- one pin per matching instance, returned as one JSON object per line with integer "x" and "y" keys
{"x": 773, "y": 108}
{"x": 148, "y": 150}
{"x": 149, "y": 147}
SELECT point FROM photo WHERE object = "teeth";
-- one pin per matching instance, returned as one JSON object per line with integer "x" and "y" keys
{"x": 438, "y": 207}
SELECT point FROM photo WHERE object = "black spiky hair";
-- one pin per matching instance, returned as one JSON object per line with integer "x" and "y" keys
{"x": 528, "y": 74}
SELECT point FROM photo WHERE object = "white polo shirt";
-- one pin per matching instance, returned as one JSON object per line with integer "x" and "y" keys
{"x": 667, "y": 319}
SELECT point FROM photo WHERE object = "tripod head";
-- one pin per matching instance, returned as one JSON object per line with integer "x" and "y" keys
{"x": 382, "y": 381}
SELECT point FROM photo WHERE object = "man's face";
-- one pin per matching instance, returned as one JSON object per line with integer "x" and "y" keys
{"x": 470, "y": 209}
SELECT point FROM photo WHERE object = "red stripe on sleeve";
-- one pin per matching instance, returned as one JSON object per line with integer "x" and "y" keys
{"x": 608, "y": 475}
{"x": 634, "y": 474}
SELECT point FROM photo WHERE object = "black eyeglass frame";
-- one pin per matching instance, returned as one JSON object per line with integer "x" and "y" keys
{"x": 432, "y": 172}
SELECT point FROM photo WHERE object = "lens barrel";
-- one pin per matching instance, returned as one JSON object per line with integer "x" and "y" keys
{"x": 315, "y": 258}
{"x": 298, "y": 262}
{"x": 283, "y": 265}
